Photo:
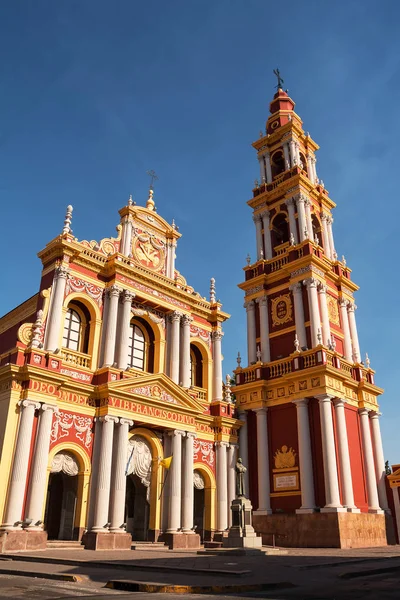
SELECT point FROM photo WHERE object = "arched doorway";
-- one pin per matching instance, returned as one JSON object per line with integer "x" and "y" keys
{"x": 138, "y": 488}
{"x": 199, "y": 504}
{"x": 62, "y": 493}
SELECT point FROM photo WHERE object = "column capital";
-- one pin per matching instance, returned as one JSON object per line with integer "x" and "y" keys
{"x": 176, "y": 432}
{"x": 174, "y": 316}
{"x": 343, "y": 302}
{"x": 221, "y": 444}
{"x": 52, "y": 407}
{"x": 324, "y": 216}
{"x": 290, "y": 201}
{"x": 109, "y": 419}
{"x": 300, "y": 402}
{"x": 242, "y": 414}
{"x": 233, "y": 446}
{"x": 257, "y": 218}
{"x": 364, "y": 411}
{"x": 296, "y": 288}
{"x": 61, "y": 272}
{"x": 261, "y": 411}
{"x": 322, "y": 288}
{"x": 351, "y": 307}
{"x": 339, "y": 402}
{"x": 263, "y": 300}
{"x": 301, "y": 198}
{"x": 265, "y": 214}
{"x": 375, "y": 414}
{"x": 249, "y": 305}
{"x": 27, "y": 403}
{"x": 113, "y": 291}
{"x": 217, "y": 335}
{"x": 191, "y": 434}
{"x": 127, "y": 296}
{"x": 186, "y": 320}
{"x": 128, "y": 422}
{"x": 311, "y": 282}
{"x": 324, "y": 398}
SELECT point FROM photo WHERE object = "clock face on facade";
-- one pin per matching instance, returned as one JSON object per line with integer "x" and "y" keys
{"x": 147, "y": 254}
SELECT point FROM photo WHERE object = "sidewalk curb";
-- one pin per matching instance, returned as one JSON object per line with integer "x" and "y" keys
{"x": 368, "y": 573}
{"x": 43, "y": 575}
{"x": 162, "y": 588}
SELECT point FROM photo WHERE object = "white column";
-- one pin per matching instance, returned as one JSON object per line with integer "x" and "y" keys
{"x": 118, "y": 479}
{"x": 258, "y": 224}
{"x": 232, "y": 459}
{"x": 122, "y": 350}
{"x": 332, "y": 495}
{"x": 296, "y": 289}
{"x": 348, "y": 353}
{"x": 351, "y": 307}
{"x": 267, "y": 235}
{"x": 54, "y": 321}
{"x": 251, "y": 332}
{"x": 188, "y": 489}
{"x": 37, "y": 483}
{"x": 292, "y": 148}
{"x": 310, "y": 169}
{"x": 126, "y": 236}
{"x": 268, "y": 167}
{"x": 173, "y": 256}
{"x": 174, "y": 319}
{"x": 314, "y": 162}
{"x": 307, "y": 208}
{"x": 329, "y": 222}
{"x": 262, "y": 169}
{"x": 264, "y": 329}
{"x": 244, "y": 449}
{"x": 16, "y": 490}
{"x": 311, "y": 284}
{"x": 301, "y": 214}
{"x": 305, "y": 457}
{"x": 175, "y": 496}
{"x": 264, "y": 489}
{"x": 344, "y": 456}
{"x": 102, "y": 498}
{"x": 185, "y": 374}
{"x": 290, "y": 203}
{"x": 167, "y": 258}
{"x": 110, "y": 326}
{"x": 372, "y": 491}
{"x": 326, "y": 329}
{"x": 222, "y": 486}
{"x": 380, "y": 470}
{"x": 286, "y": 155}
{"x": 325, "y": 235}
{"x": 216, "y": 339}
{"x": 297, "y": 151}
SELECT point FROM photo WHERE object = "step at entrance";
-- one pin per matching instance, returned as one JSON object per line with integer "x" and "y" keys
{"x": 64, "y": 545}
{"x": 148, "y": 546}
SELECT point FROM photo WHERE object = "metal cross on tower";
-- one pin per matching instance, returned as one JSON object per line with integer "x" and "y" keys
{"x": 280, "y": 80}
{"x": 153, "y": 177}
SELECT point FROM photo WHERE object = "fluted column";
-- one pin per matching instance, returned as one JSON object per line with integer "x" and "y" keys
{"x": 290, "y": 203}
{"x": 244, "y": 448}
{"x": 264, "y": 488}
{"x": 102, "y": 498}
{"x": 380, "y": 470}
{"x": 37, "y": 483}
{"x": 296, "y": 289}
{"x": 262, "y": 168}
{"x": 372, "y": 490}
{"x": 347, "y": 350}
{"x": 264, "y": 329}
{"x": 326, "y": 328}
{"x": 222, "y": 486}
{"x": 258, "y": 224}
{"x": 351, "y": 307}
{"x": 232, "y": 459}
{"x": 188, "y": 488}
{"x": 332, "y": 495}
{"x": 122, "y": 350}
{"x": 301, "y": 214}
{"x": 307, "y": 208}
{"x": 118, "y": 479}
{"x": 344, "y": 456}
{"x": 268, "y": 169}
{"x": 174, "y": 319}
{"x": 110, "y": 326}
{"x": 251, "y": 332}
{"x": 16, "y": 490}
{"x": 305, "y": 457}
{"x": 329, "y": 222}
{"x": 185, "y": 374}
{"x": 175, "y": 495}
{"x": 315, "y": 320}
{"x": 267, "y": 235}
{"x": 325, "y": 235}
{"x": 54, "y": 320}
{"x": 216, "y": 339}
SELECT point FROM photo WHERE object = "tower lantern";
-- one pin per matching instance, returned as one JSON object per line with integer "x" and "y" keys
{"x": 307, "y": 402}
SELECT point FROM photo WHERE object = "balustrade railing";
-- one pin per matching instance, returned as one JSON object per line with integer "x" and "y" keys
{"x": 78, "y": 359}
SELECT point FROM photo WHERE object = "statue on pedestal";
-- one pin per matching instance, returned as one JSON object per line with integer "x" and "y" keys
{"x": 240, "y": 486}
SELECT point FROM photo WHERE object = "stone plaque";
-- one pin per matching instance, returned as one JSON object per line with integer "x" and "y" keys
{"x": 286, "y": 482}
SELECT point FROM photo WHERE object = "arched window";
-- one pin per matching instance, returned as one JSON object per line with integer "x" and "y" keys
{"x": 72, "y": 330}
{"x": 303, "y": 162}
{"x": 277, "y": 164}
{"x": 136, "y": 347}
{"x": 280, "y": 229}
{"x": 317, "y": 233}
{"x": 196, "y": 366}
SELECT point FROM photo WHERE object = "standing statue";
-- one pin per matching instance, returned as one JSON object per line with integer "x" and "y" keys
{"x": 240, "y": 471}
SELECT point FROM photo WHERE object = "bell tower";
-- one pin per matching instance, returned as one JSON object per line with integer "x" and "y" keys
{"x": 308, "y": 402}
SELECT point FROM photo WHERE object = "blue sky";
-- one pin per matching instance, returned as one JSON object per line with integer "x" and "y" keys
{"x": 95, "y": 93}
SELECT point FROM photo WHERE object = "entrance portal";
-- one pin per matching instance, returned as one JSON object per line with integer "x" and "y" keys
{"x": 199, "y": 504}
{"x": 61, "y": 498}
{"x": 137, "y": 508}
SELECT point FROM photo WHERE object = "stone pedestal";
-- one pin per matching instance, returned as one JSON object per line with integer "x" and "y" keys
{"x": 242, "y": 534}
{"x": 20, "y": 540}
{"x": 107, "y": 541}
{"x": 181, "y": 540}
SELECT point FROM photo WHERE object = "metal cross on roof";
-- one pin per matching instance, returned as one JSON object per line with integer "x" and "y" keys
{"x": 280, "y": 80}
{"x": 153, "y": 177}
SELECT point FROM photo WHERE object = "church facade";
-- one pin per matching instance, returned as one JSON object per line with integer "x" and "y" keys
{"x": 309, "y": 402}
{"x": 111, "y": 369}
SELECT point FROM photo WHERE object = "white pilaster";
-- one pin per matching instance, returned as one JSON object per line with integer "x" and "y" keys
{"x": 348, "y": 353}
{"x": 268, "y": 167}
{"x": 244, "y": 448}
{"x": 174, "y": 319}
{"x": 222, "y": 486}
{"x": 296, "y": 289}
{"x": 290, "y": 203}
{"x": 216, "y": 340}
{"x": 188, "y": 489}
{"x": 264, "y": 488}
{"x": 251, "y": 332}
{"x": 102, "y": 498}
{"x": 118, "y": 479}
{"x": 175, "y": 497}
{"x": 122, "y": 350}
{"x": 16, "y": 490}
{"x": 301, "y": 214}
{"x": 332, "y": 495}
{"x": 351, "y": 307}
{"x": 326, "y": 329}
{"x": 344, "y": 456}
{"x": 258, "y": 224}
{"x": 267, "y": 235}
{"x": 379, "y": 461}
{"x": 372, "y": 490}
{"x": 54, "y": 320}
{"x": 315, "y": 320}
{"x": 264, "y": 329}
{"x": 37, "y": 483}
{"x": 110, "y": 326}
{"x": 232, "y": 459}
{"x": 307, "y": 208}
{"x": 305, "y": 457}
{"x": 185, "y": 375}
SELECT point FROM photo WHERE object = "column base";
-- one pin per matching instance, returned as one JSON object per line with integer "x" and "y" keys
{"x": 353, "y": 509}
{"x": 94, "y": 540}
{"x": 19, "y": 540}
{"x": 181, "y": 540}
{"x": 376, "y": 511}
{"x": 305, "y": 511}
{"x": 333, "y": 509}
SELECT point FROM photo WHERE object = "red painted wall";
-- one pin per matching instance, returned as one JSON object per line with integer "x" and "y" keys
{"x": 356, "y": 458}
{"x": 253, "y": 466}
{"x": 316, "y": 450}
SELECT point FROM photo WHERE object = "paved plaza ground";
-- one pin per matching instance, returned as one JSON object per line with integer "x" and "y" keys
{"x": 307, "y": 574}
